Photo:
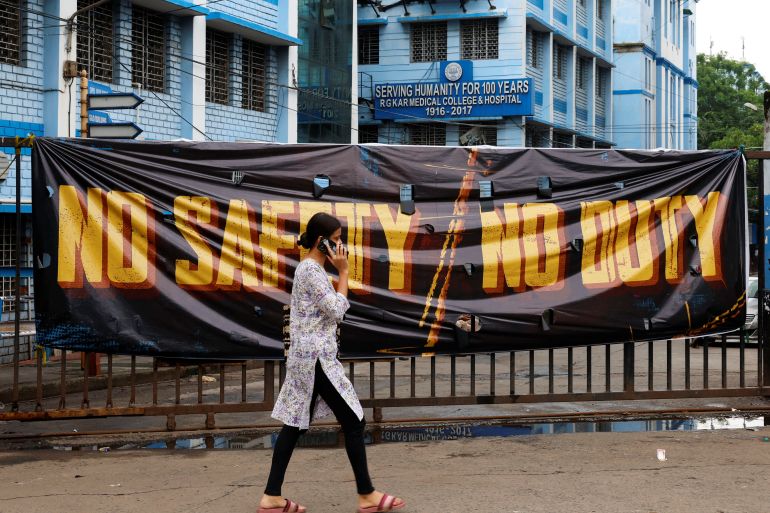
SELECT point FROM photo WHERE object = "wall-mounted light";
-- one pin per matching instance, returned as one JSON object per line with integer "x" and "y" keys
{"x": 406, "y": 198}
{"x": 320, "y": 184}
{"x": 486, "y": 195}
{"x": 237, "y": 177}
{"x": 544, "y": 187}
{"x": 469, "y": 268}
{"x": 546, "y": 319}
{"x": 619, "y": 185}
{"x": 694, "y": 240}
{"x": 576, "y": 245}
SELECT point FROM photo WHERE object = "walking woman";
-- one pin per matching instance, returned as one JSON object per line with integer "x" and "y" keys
{"x": 315, "y": 383}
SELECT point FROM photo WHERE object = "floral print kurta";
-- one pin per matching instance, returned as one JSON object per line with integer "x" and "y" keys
{"x": 316, "y": 309}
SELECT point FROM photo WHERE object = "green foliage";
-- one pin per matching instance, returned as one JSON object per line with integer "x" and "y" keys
{"x": 725, "y": 86}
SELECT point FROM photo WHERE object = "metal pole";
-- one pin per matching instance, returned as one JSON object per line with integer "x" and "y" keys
{"x": 83, "y": 103}
{"x": 17, "y": 291}
{"x": 764, "y": 269}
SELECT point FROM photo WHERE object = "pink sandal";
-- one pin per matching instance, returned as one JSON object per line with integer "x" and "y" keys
{"x": 386, "y": 505}
{"x": 291, "y": 507}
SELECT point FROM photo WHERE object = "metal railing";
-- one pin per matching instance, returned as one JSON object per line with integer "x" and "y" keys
{"x": 66, "y": 388}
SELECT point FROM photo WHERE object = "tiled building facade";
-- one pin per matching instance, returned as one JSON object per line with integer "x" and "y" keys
{"x": 564, "y": 47}
{"x": 206, "y": 70}
{"x": 656, "y": 92}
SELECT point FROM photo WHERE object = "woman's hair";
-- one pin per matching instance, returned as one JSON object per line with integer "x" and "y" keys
{"x": 320, "y": 225}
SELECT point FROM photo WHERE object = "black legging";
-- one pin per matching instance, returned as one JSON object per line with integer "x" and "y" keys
{"x": 351, "y": 426}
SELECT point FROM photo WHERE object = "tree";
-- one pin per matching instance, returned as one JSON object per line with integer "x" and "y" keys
{"x": 724, "y": 120}
{"x": 725, "y": 86}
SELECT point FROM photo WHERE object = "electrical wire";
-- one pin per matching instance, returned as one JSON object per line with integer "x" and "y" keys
{"x": 619, "y": 129}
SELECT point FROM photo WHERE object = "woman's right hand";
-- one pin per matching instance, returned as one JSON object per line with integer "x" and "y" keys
{"x": 339, "y": 258}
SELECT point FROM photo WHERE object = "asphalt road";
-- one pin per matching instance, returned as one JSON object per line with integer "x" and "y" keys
{"x": 705, "y": 472}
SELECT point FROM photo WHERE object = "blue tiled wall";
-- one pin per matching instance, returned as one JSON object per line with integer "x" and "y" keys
{"x": 21, "y": 94}
{"x": 263, "y": 12}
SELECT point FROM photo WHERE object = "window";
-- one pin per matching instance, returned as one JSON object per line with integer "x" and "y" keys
{"x": 148, "y": 49}
{"x": 428, "y": 134}
{"x": 8, "y": 259}
{"x": 648, "y": 126}
{"x": 582, "y": 3}
{"x": 254, "y": 76}
{"x": 600, "y": 9}
{"x": 478, "y": 39}
{"x": 535, "y": 137}
{"x": 428, "y": 42}
{"x": 533, "y": 52}
{"x": 369, "y": 45}
{"x": 477, "y": 135}
{"x": 647, "y": 74}
{"x": 10, "y": 31}
{"x": 561, "y": 140}
{"x": 582, "y": 71}
{"x": 368, "y": 134}
{"x": 559, "y": 62}
{"x": 217, "y": 67}
{"x": 95, "y": 41}
{"x": 672, "y": 100}
{"x": 601, "y": 85}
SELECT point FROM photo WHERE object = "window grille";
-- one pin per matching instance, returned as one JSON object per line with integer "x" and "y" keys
{"x": 369, "y": 45}
{"x": 217, "y": 67}
{"x": 428, "y": 42}
{"x": 484, "y": 133}
{"x": 148, "y": 52}
{"x": 562, "y": 140}
{"x": 427, "y": 134}
{"x": 10, "y": 31}
{"x": 581, "y": 73}
{"x": 8, "y": 259}
{"x": 559, "y": 62}
{"x": 533, "y": 38}
{"x": 254, "y": 76}
{"x": 536, "y": 137}
{"x": 96, "y": 40}
{"x": 479, "y": 39}
{"x": 368, "y": 134}
{"x": 601, "y": 86}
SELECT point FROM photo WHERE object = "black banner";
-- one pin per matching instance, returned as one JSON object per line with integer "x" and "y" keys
{"x": 186, "y": 249}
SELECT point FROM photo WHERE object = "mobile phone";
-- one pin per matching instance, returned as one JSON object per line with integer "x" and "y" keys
{"x": 322, "y": 246}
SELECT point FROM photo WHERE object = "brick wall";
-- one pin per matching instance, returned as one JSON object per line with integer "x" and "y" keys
{"x": 231, "y": 122}
{"x": 25, "y": 351}
{"x": 21, "y": 94}
{"x": 156, "y": 115}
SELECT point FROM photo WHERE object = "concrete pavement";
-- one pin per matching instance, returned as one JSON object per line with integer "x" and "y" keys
{"x": 705, "y": 472}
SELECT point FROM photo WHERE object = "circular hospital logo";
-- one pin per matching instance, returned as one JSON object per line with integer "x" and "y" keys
{"x": 453, "y": 71}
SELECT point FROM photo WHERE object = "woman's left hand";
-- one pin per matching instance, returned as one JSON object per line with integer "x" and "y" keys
{"x": 338, "y": 258}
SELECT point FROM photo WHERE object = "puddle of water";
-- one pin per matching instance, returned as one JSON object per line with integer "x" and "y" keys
{"x": 331, "y": 438}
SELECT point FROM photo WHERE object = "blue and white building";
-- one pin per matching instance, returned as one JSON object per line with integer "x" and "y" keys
{"x": 655, "y": 92}
{"x": 224, "y": 70}
{"x": 561, "y": 48}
